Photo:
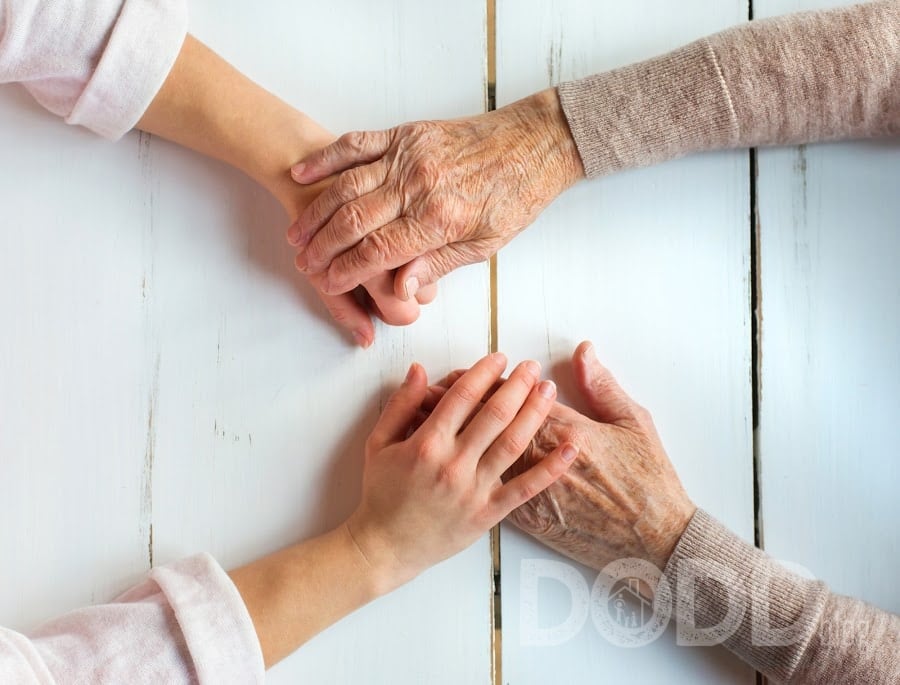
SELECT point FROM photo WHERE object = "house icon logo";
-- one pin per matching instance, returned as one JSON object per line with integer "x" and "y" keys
{"x": 627, "y": 606}
{"x": 621, "y": 612}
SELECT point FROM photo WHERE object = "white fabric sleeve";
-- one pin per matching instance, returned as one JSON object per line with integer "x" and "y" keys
{"x": 96, "y": 63}
{"x": 185, "y": 623}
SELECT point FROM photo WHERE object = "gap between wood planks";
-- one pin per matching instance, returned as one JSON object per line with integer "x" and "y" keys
{"x": 755, "y": 350}
{"x": 493, "y": 346}
{"x": 755, "y": 358}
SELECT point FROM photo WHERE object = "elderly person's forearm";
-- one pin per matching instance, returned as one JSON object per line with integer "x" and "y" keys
{"x": 791, "y": 629}
{"x": 434, "y": 196}
{"x": 792, "y": 79}
{"x": 622, "y": 499}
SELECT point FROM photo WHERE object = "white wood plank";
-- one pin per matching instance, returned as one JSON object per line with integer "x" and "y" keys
{"x": 830, "y": 373}
{"x": 74, "y": 368}
{"x": 139, "y": 279}
{"x": 653, "y": 266}
{"x": 263, "y": 408}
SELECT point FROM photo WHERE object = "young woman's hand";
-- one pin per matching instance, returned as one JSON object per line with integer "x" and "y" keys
{"x": 621, "y": 497}
{"x": 429, "y": 494}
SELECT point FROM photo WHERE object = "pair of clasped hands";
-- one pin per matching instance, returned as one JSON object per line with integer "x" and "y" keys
{"x": 474, "y": 447}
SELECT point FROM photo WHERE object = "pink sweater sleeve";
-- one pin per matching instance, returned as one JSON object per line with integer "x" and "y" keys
{"x": 186, "y": 623}
{"x": 96, "y": 63}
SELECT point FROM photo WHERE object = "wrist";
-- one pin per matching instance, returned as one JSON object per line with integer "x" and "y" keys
{"x": 678, "y": 521}
{"x": 386, "y": 571}
{"x": 552, "y": 148}
{"x": 207, "y": 105}
{"x": 286, "y": 136}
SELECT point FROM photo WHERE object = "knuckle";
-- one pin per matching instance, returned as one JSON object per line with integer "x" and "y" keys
{"x": 354, "y": 141}
{"x": 501, "y": 412}
{"x": 436, "y": 213}
{"x": 315, "y": 252}
{"x": 350, "y": 219}
{"x": 465, "y": 392}
{"x": 426, "y": 172}
{"x": 450, "y": 473}
{"x": 348, "y": 185}
{"x": 371, "y": 250}
{"x": 430, "y": 448}
{"x": 340, "y": 314}
{"x": 412, "y": 129}
{"x": 373, "y": 442}
{"x": 514, "y": 443}
{"x": 641, "y": 414}
{"x": 525, "y": 491}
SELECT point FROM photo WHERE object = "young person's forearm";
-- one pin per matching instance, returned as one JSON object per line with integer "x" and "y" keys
{"x": 207, "y": 105}
{"x": 294, "y": 594}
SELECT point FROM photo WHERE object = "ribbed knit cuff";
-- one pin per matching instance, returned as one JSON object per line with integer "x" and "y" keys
{"x": 138, "y": 57}
{"x": 728, "y": 592}
{"x": 649, "y": 112}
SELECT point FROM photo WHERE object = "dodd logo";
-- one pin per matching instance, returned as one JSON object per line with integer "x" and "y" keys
{"x": 618, "y": 604}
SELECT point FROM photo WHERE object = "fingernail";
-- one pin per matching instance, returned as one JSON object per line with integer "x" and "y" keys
{"x": 533, "y": 368}
{"x": 588, "y": 352}
{"x": 499, "y": 359}
{"x": 547, "y": 389}
{"x": 297, "y": 171}
{"x": 410, "y": 373}
{"x": 301, "y": 261}
{"x": 411, "y": 286}
{"x": 569, "y": 453}
{"x": 361, "y": 339}
{"x": 293, "y": 235}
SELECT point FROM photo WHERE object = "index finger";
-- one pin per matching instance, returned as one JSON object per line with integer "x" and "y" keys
{"x": 465, "y": 395}
{"x": 350, "y": 185}
{"x": 357, "y": 147}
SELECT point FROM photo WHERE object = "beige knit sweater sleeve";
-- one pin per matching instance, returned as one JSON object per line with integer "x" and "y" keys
{"x": 798, "y": 78}
{"x": 789, "y": 628}
{"x": 792, "y": 79}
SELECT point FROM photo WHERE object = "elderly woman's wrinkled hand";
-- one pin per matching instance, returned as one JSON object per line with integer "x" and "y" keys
{"x": 376, "y": 295}
{"x": 428, "y": 197}
{"x": 621, "y": 498}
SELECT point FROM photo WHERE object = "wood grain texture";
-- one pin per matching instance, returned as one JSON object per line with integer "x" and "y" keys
{"x": 829, "y": 226}
{"x": 75, "y": 372}
{"x": 164, "y": 366}
{"x": 653, "y": 266}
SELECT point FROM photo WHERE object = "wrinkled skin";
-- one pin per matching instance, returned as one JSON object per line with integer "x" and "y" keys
{"x": 430, "y": 196}
{"x": 621, "y": 497}
{"x": 377, "y": 293}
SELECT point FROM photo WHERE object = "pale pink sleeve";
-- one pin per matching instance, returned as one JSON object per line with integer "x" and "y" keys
{"x": 186, "y": 623}
{"x": 96, "y": 63}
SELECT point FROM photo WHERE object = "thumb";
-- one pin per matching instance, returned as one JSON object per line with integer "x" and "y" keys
{"x": 429, "y": 269}
{"x": 599, "y": 388}
{"x": 389, "y": 308}
{"x": 401, "y": 409}
{"x": 351, "y": 149}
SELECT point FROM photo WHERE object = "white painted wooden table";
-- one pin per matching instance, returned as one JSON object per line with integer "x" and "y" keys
{"x": 169, "y": 386}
